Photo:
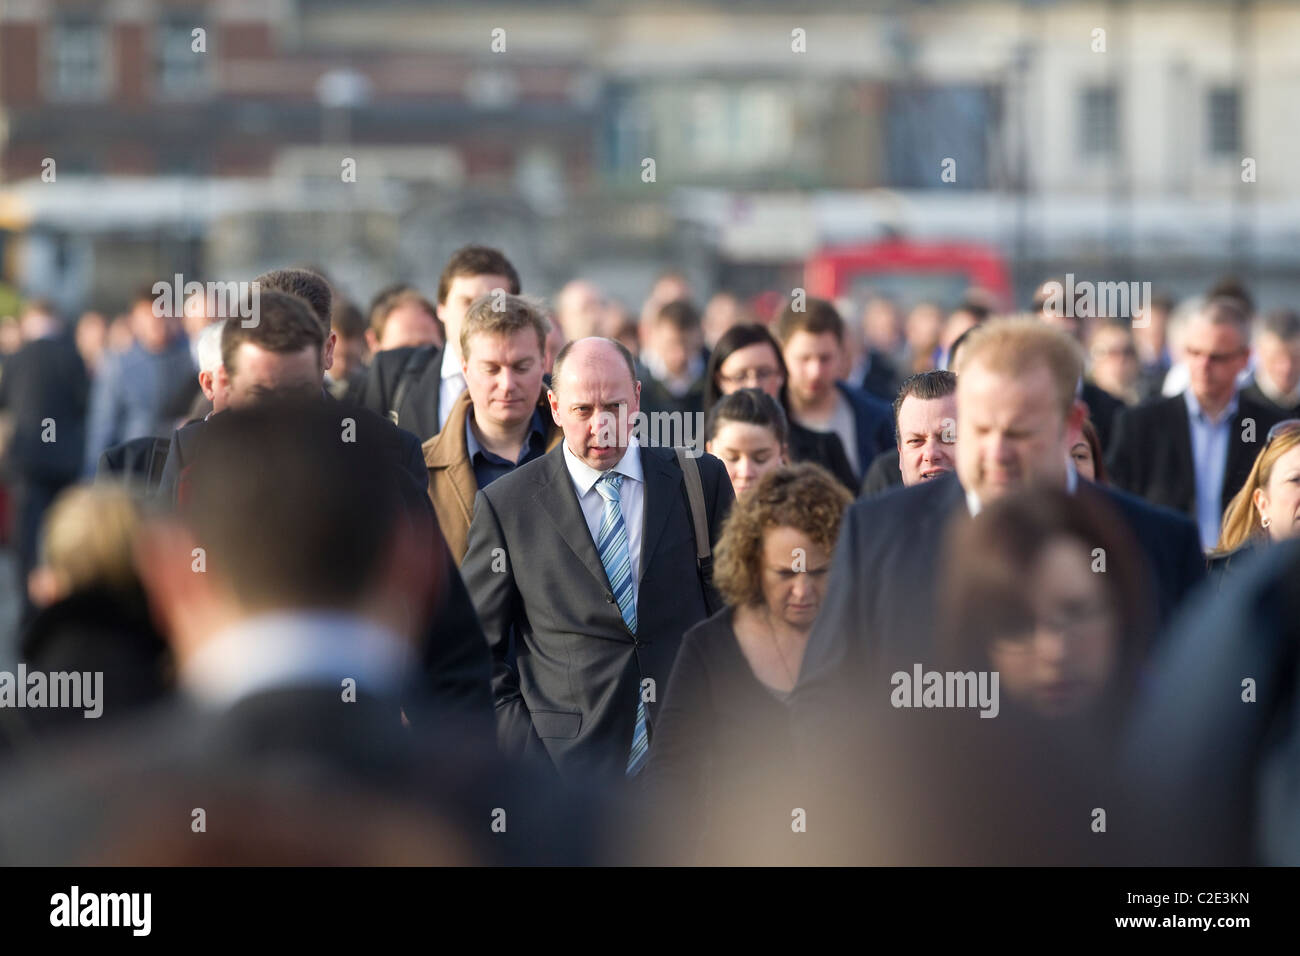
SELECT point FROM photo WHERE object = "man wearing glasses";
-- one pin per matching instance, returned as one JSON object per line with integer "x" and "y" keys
{"x": 1192, "y": 452}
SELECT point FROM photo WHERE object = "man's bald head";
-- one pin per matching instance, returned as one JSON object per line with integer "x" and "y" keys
{"x": 594, "y": 395}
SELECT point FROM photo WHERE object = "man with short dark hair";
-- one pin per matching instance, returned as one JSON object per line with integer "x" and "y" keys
{"x": 401, "y": 317}
{"x": 350, "y": 354}
{"x": 1193, "y": 451}
{"x": 501, "y": 421}
{"x": 296, "y": 655}
{"x": 278, "y": 359}
{"x": 674, "y": 360}
{"x": 812, "y": 340}
{"x": 586, "y": 560}
{"x": 925, "y": 421}
{"x": 416, "y": 387}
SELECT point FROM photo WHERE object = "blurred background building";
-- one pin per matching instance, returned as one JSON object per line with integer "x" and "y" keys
{"x": 1126, "y": 140}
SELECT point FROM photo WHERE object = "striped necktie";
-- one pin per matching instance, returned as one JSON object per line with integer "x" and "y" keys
{"x": 611, "y": 542}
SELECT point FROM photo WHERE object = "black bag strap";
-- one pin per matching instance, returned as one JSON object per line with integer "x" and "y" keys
{"x": 700, "y": 521}
{"x": 412, "y": 369}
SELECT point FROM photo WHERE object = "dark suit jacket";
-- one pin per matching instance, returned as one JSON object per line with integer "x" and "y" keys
{"x": 1151, "y": 452}
{"x": 418, "y": 409}
{"x": 874, "y": 420}
{"x": 287, "y": 776}
{"x": 1256, "y": 395}
{"x": 456, "y": 659}
{"x": 885, "y": 473}
{"x": 1220, "y": 777}
{"x": 533, "y": 571}
{"x": 880, "y": 609}
{"x": 138, "y": 462}
{"x": 1103, "y": 409}
{"x": 822, "y": 448}
{"x": 46, "y": 380}
{"x": 881, "y": 379}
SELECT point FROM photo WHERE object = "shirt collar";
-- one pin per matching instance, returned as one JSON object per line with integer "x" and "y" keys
{"x": 585, "y": 477}
{"x": 1196, "y": 414}
{"x": 974, "y": 506}
{"x": 293, "y": 648}
{"x": 450, "y": 364}
{"x": 472, "y": 446}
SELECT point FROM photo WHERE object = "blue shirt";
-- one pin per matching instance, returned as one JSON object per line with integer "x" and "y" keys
{"x": 488, "y": 467}
{"x": 1210, "y": 439}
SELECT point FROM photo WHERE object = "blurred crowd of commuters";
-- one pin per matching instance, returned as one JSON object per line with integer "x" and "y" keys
{"x": 533, "y": 602}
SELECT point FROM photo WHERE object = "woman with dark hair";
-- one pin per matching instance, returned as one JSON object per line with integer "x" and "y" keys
{"x": 722, "y": 741}
{"x": 1086, "y": 455}
{"x": 1047, "y": 589}
{"x": 748, "y": 431}
{"x": 747, "y": 356}
{"x": 1044, "y": 598}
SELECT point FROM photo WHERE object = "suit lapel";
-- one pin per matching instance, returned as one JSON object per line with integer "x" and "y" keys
{"x": 559, "y": 502}
{"x": 1184, "y": 477}
{"x": 661, "y": 483}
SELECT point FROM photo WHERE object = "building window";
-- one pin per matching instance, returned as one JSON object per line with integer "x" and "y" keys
{"x": 1099, "y": 129}
{"x": 78, "y": 60}
{"x": 1224, "y": 122}
{"x": 181, "y": 70}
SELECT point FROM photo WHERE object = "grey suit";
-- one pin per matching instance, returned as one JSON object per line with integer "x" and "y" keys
{"x": 571, "y": 691}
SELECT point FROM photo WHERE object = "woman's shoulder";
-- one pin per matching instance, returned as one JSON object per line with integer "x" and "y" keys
{"x": 711, "y": 633}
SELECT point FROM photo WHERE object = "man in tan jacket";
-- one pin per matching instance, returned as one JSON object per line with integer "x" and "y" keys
{"x": 501, "y": 421}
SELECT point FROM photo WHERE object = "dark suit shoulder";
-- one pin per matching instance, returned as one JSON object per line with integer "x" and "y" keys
{"x": 1140, "y": 511}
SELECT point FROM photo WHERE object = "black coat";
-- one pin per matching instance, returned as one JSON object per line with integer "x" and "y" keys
{"x": 415, "y": 373}
{"x": 44, "y": 387}
{"x": 1151, "y": 452}
{"x": 880, "y": 610}
{"x": 456, "y": 658}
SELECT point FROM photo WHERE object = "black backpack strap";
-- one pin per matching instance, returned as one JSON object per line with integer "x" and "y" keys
{"x": 700, "y": 521}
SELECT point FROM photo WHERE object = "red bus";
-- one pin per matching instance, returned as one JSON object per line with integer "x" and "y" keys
{"x": 908, "y": 271}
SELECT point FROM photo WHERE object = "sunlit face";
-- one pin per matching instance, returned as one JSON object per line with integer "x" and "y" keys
{"x": 461, "y": 293}
{"x": 748, "y": 451}
{"x": 754, "y": 366}
{"x": 260, "y": 375}
{"x": 1216, "y": 353}
{"x": 1279, "y": 502}
{"x": 1279, "y": 360}
{"x": 813, "y": 363}
{"x": 927, "y": 437}
{"x": 1010, "y": 430}
{"x": 795, "y": 570}
{"x": 409, "y": 325}
{"x": 504, "y": 376}
{"x": 593, "y": 400}
{"x": 1064, "y": 663}
{"x": 1081, "y": 455}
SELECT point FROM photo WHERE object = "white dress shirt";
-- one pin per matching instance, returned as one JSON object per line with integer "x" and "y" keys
{"x": 453, "y": 383}
{"x": 631, "y": 498}
{"x": 295, "y": 649}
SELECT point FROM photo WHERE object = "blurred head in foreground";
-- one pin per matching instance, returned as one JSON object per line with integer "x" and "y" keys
{"x": 272, "y": 523}
{"x": 1046, "y": 589}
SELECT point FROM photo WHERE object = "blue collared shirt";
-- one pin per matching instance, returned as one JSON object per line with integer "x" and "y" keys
{"x": 1210, "y": 439}
{"x": 488, "y": 467}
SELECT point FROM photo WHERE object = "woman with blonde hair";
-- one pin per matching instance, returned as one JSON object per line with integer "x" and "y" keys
{"x": 1267, "y": 508}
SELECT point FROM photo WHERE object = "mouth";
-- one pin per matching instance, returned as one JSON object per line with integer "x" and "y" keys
{"x": 933, "y": 473}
